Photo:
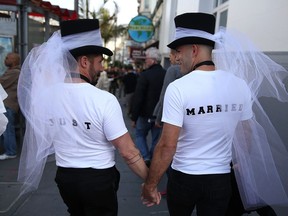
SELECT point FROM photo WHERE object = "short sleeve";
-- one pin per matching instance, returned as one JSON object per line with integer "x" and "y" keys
{"x": 114, "y": 125}
{"x": 173, "y": 106}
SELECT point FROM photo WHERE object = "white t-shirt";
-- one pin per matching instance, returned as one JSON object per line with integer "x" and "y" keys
{"x": 81, "y": 121}
{"x": 207, "y": 106}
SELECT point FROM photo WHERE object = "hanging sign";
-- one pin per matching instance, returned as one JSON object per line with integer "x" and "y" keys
{"x": 141, "y": 29}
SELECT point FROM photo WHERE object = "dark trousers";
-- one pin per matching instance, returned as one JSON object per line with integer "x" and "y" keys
{"x": 210, "y": 194}
{"x": 89, "y": 192}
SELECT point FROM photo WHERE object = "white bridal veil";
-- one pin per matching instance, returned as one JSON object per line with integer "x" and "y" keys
{"x": 45, "y": 66}
{"x": 259, "y": 156}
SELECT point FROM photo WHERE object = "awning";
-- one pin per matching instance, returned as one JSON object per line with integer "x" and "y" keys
{"x": 62, "y": 13}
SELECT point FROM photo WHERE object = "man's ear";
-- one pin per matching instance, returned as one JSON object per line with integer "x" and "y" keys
{"x": 195, "y": 49}
{"x": 83, "y": 61}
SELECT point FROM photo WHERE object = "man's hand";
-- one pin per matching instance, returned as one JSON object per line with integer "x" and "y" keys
{"x": 150, "y": 196}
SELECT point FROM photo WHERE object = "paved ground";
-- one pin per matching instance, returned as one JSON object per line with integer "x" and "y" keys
{"x": 46, "y": 201}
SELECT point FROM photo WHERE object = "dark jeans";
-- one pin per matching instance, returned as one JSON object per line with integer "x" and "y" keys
{"x": 143, "y": 126}
{"x": 210, "y": 194}
{"x": 89, "y": 192}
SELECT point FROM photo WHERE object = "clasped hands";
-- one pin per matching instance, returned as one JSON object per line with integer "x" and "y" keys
{"x": 150, "y": 196}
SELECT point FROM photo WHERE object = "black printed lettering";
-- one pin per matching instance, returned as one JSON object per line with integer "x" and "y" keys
{"x": 190, "y": 112}
{"x": 87, "y": 125}
{"x": 215, "y": 108}
{"x": 218, "y": 108}
{"x": 209, "y": 109}
{"x": 74, "y": 122}
{"x": 201, "y": 110}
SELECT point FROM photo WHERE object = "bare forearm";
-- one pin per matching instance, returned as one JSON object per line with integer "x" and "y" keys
{"x": 131, "y": 155}
{"x": 163, "y": 155}
{"x": 138, "y": 166}
{"x": 162, "y": 158}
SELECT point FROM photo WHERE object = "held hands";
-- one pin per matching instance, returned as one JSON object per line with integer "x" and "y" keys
{"x": 150, "y": 196}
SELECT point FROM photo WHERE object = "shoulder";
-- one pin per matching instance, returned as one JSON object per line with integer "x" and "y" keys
{"x": 100, "y": 92}
{"x": 231, "y": 76}
{"x": 156, "y": 67}
{"x": 97, "y": 96}
{"x": 174, "y": 69}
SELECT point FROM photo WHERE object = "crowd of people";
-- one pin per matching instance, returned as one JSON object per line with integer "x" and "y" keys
{"x": 197, "y": 112}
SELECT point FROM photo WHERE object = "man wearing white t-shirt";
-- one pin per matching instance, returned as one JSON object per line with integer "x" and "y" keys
{"x": 200, "y": 115}
{"x": 67, "y": 115}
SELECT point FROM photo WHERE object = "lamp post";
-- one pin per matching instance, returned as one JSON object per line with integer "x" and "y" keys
{"x": 76, "y": 6}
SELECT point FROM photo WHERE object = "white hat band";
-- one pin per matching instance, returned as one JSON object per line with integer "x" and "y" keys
{"x": 89, "y": 38}
{"x": 185, "y": 32}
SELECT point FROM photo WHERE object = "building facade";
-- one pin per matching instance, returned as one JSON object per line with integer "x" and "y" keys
{"x": 262, "y": 21}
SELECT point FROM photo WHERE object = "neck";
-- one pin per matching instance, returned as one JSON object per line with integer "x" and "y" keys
{"x": 85, "y": 78}
{"x": 13, "y": 66}
{"x": 203, "y": 64}
{"x": 81, "y": 76}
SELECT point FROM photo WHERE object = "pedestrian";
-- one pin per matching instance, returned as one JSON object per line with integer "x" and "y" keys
{"x": 206, "y": 111}
{"x": 68, "y": 115}
{"x": 129, "y": 82}
{"x": 146, "y": 96}
{"x": 114, "y": 73}
{"x": 103, "y": 81}
{"x": 9, "y": 81}
{"x": 172, "y": 73}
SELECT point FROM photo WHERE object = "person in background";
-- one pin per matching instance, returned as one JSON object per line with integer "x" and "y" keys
{"x": 172, "y": 73}
{"x": 82, "y": 124}
{"x": 9, "y": 81}
{"x": 120, "y": 83}
{"x": 129, "y": 81}
{"x": 103, "y": 81}
{"x": 146, "y": 96}
{"x": 114, "y": 74}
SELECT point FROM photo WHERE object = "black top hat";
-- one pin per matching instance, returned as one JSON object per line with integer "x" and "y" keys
{"x": 196, "y": 21}
{"x": 72, "y": 27}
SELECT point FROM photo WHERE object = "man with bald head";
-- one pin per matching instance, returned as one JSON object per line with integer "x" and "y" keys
{"x": 9, "y": 81}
